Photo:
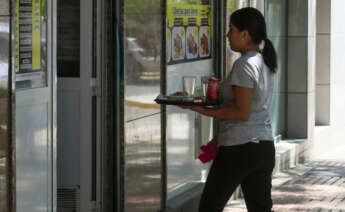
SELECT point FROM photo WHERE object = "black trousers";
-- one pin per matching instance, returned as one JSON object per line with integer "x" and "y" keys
{"x": 249, "y": 165}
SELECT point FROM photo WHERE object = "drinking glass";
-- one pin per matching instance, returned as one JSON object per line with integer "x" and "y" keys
{"x": 189, "y": 85}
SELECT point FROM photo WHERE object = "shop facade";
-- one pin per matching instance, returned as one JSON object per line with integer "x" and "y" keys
{"x": 79, "y": 128}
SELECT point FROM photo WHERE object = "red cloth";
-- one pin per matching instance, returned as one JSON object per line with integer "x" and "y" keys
{"x": 209, "y": 151}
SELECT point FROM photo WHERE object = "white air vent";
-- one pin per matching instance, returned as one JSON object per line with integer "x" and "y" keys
{"x": 68, "y": 199}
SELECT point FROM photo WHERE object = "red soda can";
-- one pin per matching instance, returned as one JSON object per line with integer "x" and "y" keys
{"x": 213, "y": 89}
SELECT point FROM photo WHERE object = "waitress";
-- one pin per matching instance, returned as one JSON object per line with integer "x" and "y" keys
{"x": 246, "y": 154}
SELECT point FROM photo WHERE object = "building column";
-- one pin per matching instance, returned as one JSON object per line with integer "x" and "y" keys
{"x": 301, "y": 45}
{"x": 323, "y": 63}
{"x": 337, "y": 73}
{"x": 330, "y": 74}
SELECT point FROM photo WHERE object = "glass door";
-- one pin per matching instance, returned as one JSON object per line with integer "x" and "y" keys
{"x": 141, "y": 36}
{"x": 189, "y": 45}
{"x": 35, "y": 109}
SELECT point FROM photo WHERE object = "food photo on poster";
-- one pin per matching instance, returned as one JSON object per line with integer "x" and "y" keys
{"x": 190, "y": 29}
{"x": 168, "y": 47}
{"x": 179, "y": 44}
{"x": 192, "y": 42}
{"x": 204, "y": 36}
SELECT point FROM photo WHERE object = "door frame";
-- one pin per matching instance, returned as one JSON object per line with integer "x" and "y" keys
{"x": 86, "y": 68}
{"x": 108, "y": 47}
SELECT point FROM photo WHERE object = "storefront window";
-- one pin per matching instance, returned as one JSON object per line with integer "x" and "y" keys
{"x": 189, "y": 53}
{"x": 142, "y": 67}
{"x": 31, "y": 44}
{"x": 275, "y": 14}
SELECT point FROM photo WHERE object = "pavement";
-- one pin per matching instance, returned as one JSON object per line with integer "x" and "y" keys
{"x": 318, "y": 185}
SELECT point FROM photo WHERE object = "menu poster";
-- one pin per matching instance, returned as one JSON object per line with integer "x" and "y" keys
{"x": 188, "y": 33}
{"x": 28, "y": 36}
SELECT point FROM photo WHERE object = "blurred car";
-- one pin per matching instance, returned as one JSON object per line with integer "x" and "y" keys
{"x": 141, "y": 65}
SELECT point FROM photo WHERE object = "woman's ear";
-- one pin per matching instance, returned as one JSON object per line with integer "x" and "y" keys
{"x": 245, "y": 35}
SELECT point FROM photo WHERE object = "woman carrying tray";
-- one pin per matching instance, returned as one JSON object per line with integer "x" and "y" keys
{"x": 246, "y": 154}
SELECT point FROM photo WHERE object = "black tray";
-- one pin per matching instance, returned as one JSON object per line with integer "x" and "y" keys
{"x": 185, "y": 101}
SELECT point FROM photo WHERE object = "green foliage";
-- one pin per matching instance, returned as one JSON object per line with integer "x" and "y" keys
{"x": 44, "y": 8}
{"x": 3, "y": 93}
{"x": 231, "y": 6}
{"x": 184, "y": 1}
{"x": 137, "y": 7}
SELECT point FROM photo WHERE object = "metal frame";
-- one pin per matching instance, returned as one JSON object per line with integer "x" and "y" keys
{"x": 52, "y": 79}
{"x": 86, "y": 25}
{"x": 219, "y": 10}
{"x": 164, "y": 173}
{"x": 110, "y": 100}
{"x": 118, "y": 98}
{"x": 12, "y": 109}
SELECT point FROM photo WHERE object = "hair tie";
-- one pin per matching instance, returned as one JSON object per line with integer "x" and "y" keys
{"x": 262, "y": 45}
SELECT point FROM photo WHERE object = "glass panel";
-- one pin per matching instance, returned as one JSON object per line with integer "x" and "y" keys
{"x": 68, "y": 38}
{"x": 232, "y": 56}
{"x": 276, "y": 25}
{"x": 188, "y": 46}
{"x": 31, "y": 44}
{"x": 143, "y": 165}
{"x": 142, "y": 46}
{"x": 258, "y": 4}
{"x": 4, "y": 113}
{"x": 4, "y": 7}
{"x": 142, "y": 68}
{"x": 275, "y": 18}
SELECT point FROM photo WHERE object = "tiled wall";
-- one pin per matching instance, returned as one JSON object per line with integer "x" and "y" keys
{"x": 301, "y": 68}
{"x": 323, "y": 63}
{"x": 142, "y": 46}
{"x": 4, "y": 98}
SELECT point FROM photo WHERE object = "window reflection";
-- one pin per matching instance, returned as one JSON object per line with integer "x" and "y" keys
{"x": 3, "y": 149}
{"x": 142, "y": 41}
{"x": 142, "y": 49}
{"x": 31, "y": 41}
{"x": 186, "y": 131}
{"x": 4, "y": 113}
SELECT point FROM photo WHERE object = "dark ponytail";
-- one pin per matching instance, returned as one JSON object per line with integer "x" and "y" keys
{"x": 270, "y": 55}
{"x": 253, "y": 21}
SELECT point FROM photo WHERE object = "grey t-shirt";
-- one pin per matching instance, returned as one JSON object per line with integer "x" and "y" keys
{"x": 248, "y": 71}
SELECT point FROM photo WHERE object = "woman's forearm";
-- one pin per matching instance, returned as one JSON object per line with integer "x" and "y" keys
{"x": 231, "y": 113}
